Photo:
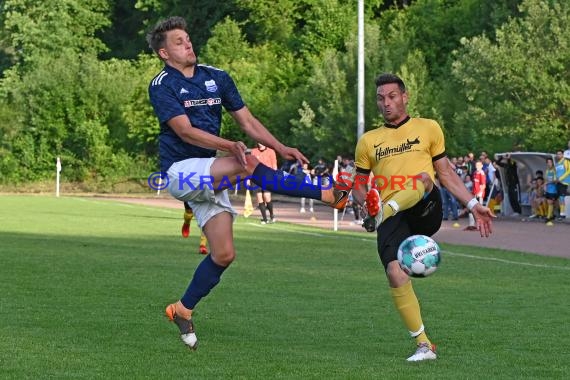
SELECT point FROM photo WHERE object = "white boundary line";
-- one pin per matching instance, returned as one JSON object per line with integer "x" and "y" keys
{"x": 318, "y": 234}
{"x": 504, "y": 261}
{"x": 510, "y": 262}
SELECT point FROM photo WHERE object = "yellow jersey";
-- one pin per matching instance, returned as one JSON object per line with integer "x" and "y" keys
{"x": 396, "y": 153}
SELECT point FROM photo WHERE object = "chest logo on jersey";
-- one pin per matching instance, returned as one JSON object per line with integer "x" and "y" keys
{"x": 404, "y": 147}
{"x": 202, "y": 102}
{"x": 211, "y": 85}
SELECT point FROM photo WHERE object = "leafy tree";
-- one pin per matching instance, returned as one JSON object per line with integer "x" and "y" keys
{"x": 124, "y": 35}
{"x": 261, "y": 74}
{"x": 433, "y": 29}
{"x": 201, "y": 15}
{"x": 518, "y": 87}
{"x": 60, "y": 99}
{"x": 142, "y": 125}
{"x": 327, "y": 23}
{"x": 267, "y": 20}
{"x": 36, "y": 28}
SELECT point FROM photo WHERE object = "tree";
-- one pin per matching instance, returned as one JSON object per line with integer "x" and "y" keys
{"x": 201, "y": 15}
{"x": 518, "y": 87}
{"x": 51, "y": 26}
{"x": 60, "y": 99}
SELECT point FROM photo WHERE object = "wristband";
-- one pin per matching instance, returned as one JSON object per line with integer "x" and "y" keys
{"x": 472, "y": 203}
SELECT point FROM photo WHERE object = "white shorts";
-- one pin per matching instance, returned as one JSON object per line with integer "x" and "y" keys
{"x": 196, "y": 189}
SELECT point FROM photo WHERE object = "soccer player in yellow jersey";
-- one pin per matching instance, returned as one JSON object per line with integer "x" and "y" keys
{"x": 403, "y": 156}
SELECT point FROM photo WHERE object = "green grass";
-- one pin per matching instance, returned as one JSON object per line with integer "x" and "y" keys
{"x": 85, "y": 282}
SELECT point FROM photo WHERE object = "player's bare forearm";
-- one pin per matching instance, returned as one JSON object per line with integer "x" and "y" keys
{"x": 256, "y": 130}
{"x": 458, "y": 189}
{"x": 359, "y": 194}
{"x": 451, "y": 181}
{"x": 182, "y": 127}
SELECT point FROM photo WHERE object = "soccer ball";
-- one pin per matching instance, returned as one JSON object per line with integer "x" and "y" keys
{"x": 419, "y": 256}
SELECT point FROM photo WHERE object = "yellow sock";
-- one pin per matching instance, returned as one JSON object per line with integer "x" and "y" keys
{"x": 188, "y": 215}
{"x": 409, "y": 308}
{"x": 413, "y": 192}
{"x": 550, "y": 211}
{"x": 203, "y": 239}
{"x": 562, "y": 208}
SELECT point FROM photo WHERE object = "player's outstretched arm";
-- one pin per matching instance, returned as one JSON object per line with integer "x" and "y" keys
{"x": 453, "y": 183}
{"x": 183, "y": 128}
{"x": 257, "y": 131}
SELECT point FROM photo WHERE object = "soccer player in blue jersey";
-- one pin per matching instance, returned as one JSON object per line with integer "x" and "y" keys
{"x": 550, "y": 189}
{"x": 188, "y": 98}
{"x": 562, "y": 166}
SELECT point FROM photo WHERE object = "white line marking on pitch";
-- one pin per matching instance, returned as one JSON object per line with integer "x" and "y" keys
{"x": 281, "y": 228}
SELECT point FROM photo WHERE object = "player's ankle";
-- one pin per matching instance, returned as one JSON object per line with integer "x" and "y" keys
{"x": 182, "y": 311}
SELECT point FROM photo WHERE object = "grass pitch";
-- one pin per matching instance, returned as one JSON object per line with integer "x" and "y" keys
{"x": 85, "y": 282}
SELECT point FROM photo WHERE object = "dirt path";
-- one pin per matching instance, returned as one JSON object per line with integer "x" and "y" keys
{"x": 509, "y": 234}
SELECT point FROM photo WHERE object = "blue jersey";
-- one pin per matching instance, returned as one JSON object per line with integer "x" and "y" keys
{"x": 200, "y": 98}
{"x": 563, "y": 170}
{"x": 550, "y": 179}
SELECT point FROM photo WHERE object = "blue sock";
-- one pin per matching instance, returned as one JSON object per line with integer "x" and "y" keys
{"x": 206, "y": 276}
{"x": 283, "y": 183}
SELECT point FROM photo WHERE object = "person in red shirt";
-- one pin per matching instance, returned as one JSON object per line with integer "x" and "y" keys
{"x": 479, "y": 185}
{"x": 479, "y": 181}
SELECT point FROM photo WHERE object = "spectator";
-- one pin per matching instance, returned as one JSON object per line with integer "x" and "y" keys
{"x": 562, "y": 166}
{"x": 479, "y": 185}
{"x": 512, "y": 180}
{"x": 469, "y": 163}
{"x": 309, "y": 179}
{"x": 539, "y": 202}
{"x": 550, "y": 190}
{"x": 490, "y": 177}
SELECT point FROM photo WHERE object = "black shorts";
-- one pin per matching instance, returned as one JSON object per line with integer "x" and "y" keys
{"x": 422, "y": 219}
{"x": 551, "y": 196}
{"x": 562, "y": 189}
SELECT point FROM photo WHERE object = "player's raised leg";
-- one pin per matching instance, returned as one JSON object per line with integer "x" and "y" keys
{"x": 227, "y": 171}
{"x": 412, "y": 191}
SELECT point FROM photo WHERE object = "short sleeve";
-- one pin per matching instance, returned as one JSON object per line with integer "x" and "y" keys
{"x": 231, "y": 98}
{"x": 361, "y": 158}
{"x": 165, "y": 103}
{"x": 437, "y": 148}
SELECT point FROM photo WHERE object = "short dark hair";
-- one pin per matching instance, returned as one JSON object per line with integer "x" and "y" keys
{"x": 386, "y": 78}
{"x": 157, "y": 35}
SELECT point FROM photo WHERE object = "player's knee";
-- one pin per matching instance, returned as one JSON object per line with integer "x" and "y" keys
{"x": 251, "y": 163}
{"x": 224, "y": 257}
{"x": 396, "y": 276}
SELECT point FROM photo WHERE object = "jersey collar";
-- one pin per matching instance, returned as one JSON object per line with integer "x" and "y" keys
{"x": 388, "y": 125}
{"x": 177, "y": 72}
